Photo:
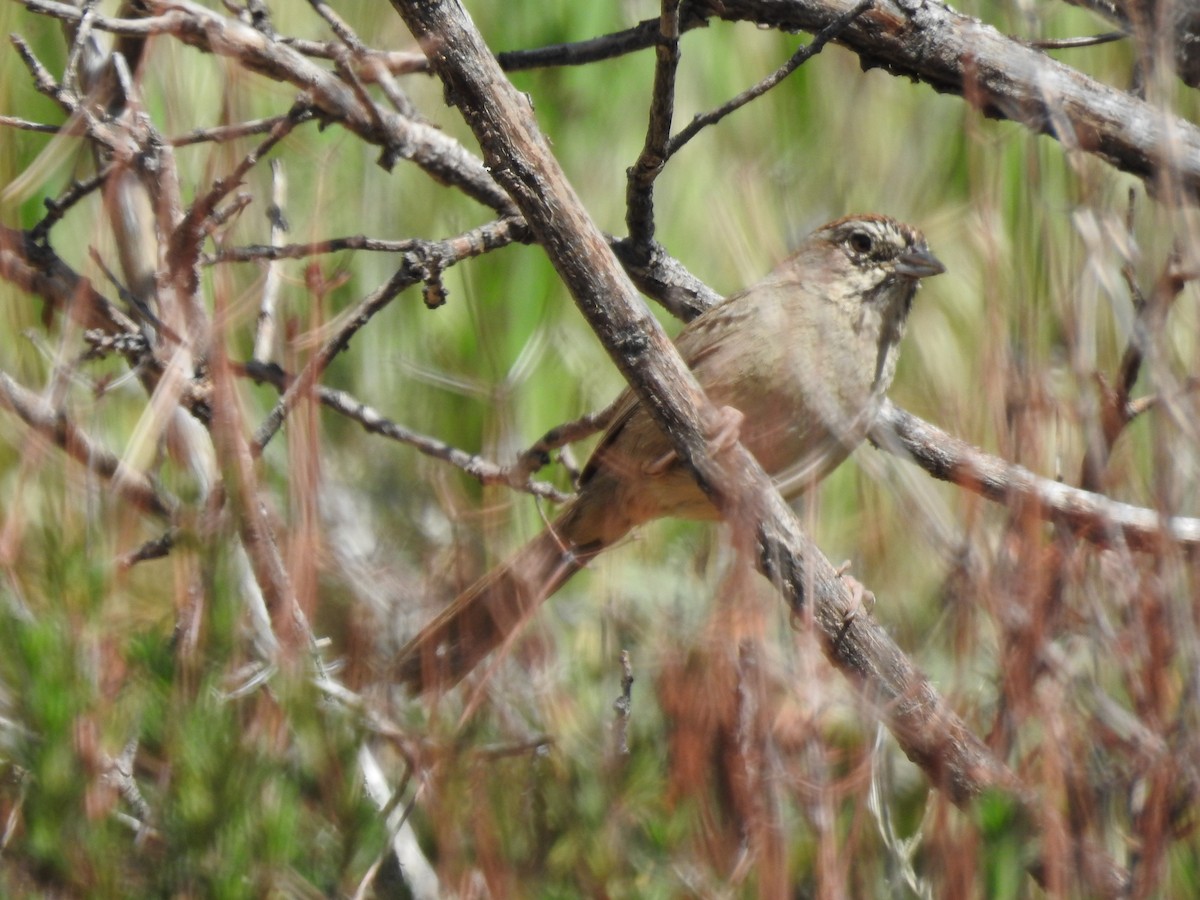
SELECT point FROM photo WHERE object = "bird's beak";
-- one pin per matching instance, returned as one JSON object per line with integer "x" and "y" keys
{"x": 919, "y": 262}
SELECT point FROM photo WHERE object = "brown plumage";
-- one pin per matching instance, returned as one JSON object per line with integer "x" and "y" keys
{"x": 805, "y": 355}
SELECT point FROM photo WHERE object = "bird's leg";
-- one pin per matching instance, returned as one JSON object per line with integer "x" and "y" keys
{"x": 723, "y": 435}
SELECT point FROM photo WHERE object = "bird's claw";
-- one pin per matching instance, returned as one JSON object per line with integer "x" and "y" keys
{"x": 862, "y": 601}
{"x": 728, "y": 429}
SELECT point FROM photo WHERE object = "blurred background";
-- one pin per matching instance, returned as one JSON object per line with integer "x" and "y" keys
{"x": 753, "y": 766}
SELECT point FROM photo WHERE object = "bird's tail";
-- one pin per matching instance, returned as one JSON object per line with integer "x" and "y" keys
{"x": 483, "y": 616}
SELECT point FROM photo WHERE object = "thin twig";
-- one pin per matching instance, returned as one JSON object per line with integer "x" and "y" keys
{"x": 26, "y": 125}
{"x": 338, "y": 26}
{"x": 225, "y": 214}
{"x": 608, "y": 46}
{"x": 623, "y": 706}
{"x": 798, "y": 59}
{"x": 43, "y": 81}
{"x": 1094, "y": 40}
{"x": 345, "y": 68}
{"x": 253, "y": 252}
{"x": 538, "y": 453}
{"x": 106, "y": 134}
{"x": 120, "y": 773}
{"x": 219, "y": 134}
{"x": 363, "y": 65}
{"x": 139, "y": 309}
{"x": 134, "y": 486}
{"x": 393, "y": 62}
{"x": 60, "y": 205}
{"x": 197, "y": 218}
{"x": 639, "y": 191}
{"x": 36, "y": 269}
{"x": 1117, "y": 409}
{"x": 156, "y": 548}
{"x": 483, "y": 470}
{"x": 82, "y": 31}
{"x": 413, "y": 269}
{"x": 135, "y": 27}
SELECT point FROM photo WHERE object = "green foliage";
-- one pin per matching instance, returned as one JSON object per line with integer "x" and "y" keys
{"x": 249, "y": 788}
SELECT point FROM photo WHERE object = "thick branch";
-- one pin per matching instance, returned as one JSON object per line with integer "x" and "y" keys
{"x": 1092, "y": 516}
{"x": 439, "y": 155}
{"x": 926, "y": 41}
{"x": 1005, "y": 78}
{"x": 923, "y": 723}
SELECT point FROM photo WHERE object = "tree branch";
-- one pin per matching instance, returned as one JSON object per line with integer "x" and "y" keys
{"x": 133, "y": 485}
{"x": 1003, "y": 77}
{"x": 923, "y": 723}
{"x": 1092, "y": 516}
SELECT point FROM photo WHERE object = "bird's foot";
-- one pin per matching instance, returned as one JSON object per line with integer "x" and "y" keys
{"x": 862, "y": 601}
{"x": 728, "y": 430}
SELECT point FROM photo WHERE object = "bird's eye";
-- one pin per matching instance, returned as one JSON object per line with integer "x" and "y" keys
{"x": 860, "y": 242}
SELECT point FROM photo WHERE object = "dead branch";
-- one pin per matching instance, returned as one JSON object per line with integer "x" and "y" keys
{"x": 926, "y": 727}
{"x": 1094, "y": 517}
{"x": 1003, "y": 77}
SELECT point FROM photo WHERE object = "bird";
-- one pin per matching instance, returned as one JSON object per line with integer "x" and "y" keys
{"x": 803, "y": 358}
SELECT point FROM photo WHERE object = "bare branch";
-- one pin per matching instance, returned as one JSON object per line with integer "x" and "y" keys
{"x": 623, "y": 707}
{"x": 538, "y": 454}
{"x": 639, "y": 192}
{"x": 26, "y": 125}
{"x": 640, "y": 37}
{"x": 55, "y": 426}
{"x": 186, "y": 239}
{"x": 924, "y": 724}
{"x": 264, "y": 333}
{"x": 219, "y": 134}
{"x": 156, "y": 548}
{"x": 415, "y": 267}
{"x": 483, "y": 470}
{"x": 38, "y": 270}
{"x": 195, "y": 25}
{"x": 42, "y": 79}
{"x": 338, "y": 26}
{"x": 1005, "y": 78}
{"x": 1092, "y": 516}
{"x": 801, "y": 56}
{"x": 659, "y": 275}
{"x": 1094, "y": 40}
{"x": 1175, "y": 24}
{"x": 58, "y": 207}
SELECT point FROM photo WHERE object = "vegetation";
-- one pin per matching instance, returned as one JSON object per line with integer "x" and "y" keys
{"x": 196, "y": 641}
